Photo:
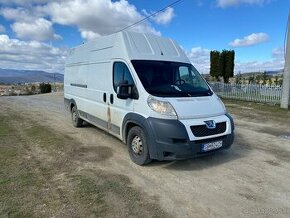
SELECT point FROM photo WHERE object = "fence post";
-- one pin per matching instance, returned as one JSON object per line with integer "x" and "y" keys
{"x": 286, "y": 74}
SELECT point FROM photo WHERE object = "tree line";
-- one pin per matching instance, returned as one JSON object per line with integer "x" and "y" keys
{"x": 262, "y": 79}
{"x": 222, "y": 64}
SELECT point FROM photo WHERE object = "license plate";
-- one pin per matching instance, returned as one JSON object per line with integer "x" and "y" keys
{"x": 211, "y": 146}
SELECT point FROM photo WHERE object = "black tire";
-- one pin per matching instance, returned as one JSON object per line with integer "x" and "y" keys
{"x": 76, "y": 120}
{"x": 137, "y": 146}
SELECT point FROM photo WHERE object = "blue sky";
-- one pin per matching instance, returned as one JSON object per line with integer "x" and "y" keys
{"x": 36, "y": 34}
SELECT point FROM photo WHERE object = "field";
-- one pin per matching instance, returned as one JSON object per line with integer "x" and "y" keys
{"x": 50, "y": 169}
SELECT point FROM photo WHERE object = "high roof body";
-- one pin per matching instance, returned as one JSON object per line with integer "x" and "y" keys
{"x": 128, "y": 45}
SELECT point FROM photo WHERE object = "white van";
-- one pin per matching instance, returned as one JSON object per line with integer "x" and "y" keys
{"x": 143, "y": 89}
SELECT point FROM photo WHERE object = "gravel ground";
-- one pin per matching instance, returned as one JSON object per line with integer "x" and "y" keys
{"x": 249, "y": 180}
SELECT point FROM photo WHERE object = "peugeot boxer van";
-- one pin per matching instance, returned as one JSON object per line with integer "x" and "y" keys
{"x": 143, "y": 89}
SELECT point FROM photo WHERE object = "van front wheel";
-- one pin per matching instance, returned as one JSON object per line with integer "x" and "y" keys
{"x": 137, "y": 146}
{"x": 76, "y": 120}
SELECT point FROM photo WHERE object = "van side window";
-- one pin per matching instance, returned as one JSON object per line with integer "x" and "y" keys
{"x": 120, "y": 73}
{"x": 185, "y": 74}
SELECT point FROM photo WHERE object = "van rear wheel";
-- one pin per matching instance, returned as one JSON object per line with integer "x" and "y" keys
{"x": 76, "y": 120}
{"x": 137, "y": 146}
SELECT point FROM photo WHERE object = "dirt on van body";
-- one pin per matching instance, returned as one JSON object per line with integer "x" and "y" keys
{"x": 49, "y": 168}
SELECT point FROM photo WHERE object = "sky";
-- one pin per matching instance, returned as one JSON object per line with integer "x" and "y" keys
{"x": 37, "y": 34}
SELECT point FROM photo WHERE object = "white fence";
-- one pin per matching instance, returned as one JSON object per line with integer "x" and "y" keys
{"x": 257, "y": 93}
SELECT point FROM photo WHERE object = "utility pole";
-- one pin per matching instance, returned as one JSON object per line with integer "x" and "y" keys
{"x": 286, "y": 74}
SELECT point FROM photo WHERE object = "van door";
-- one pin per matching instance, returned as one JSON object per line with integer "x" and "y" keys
{"x": 118, "y": 108}
{"x": 96, "y": 97}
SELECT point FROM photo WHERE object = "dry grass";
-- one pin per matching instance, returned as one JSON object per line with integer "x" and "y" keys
{"x": 39, "y": 177}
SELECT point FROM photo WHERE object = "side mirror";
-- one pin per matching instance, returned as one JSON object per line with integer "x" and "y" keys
{"x": 124, "y": 90}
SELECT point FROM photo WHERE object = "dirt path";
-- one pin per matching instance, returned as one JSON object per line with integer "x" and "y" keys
{"x": 249, "y": 180}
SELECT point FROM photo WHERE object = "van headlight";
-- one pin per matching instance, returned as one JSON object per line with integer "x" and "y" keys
{"x": 161, "y": 107}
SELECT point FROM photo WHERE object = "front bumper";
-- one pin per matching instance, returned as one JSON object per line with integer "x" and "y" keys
{"x": 169, "y": 140}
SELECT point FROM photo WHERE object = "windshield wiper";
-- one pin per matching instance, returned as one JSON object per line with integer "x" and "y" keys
{"x": 176, "y": 88}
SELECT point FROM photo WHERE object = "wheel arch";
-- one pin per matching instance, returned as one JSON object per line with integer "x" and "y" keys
{"x": 72, "y": 103}
{"x": 133, "y": 119}
{"x": 69, "y": 103}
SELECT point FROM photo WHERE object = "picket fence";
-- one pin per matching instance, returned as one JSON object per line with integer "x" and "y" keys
{"x": 249, "y": 92}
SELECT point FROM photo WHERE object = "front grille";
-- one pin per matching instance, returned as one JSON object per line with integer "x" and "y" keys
{"x": 202, "y": 130}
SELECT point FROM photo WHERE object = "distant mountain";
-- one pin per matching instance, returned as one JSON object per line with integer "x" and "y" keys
{"x": 275, "y": 72}
{"x": 268, "y": 72}
{"x": 10, "y": 76}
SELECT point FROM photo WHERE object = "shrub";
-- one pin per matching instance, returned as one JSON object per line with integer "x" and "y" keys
{"x": 45, "y": 88}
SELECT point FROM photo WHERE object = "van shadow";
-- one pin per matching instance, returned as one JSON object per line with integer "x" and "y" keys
{"x": 240, "y": 149}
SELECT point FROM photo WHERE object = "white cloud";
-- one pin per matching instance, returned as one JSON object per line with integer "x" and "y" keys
{"x": 21, "y": 14}
{"x": 15, "y": 13}
{"x": 200, "y": 58}
{"x": 89, "y": 35}
{"x": 95, "y": 18}
{"x": 278, "y": 53}
{"x": 275, "y": 63}
{"x": 33, "y": 20}
{"x": 259, "y": 66}
{"x": 163, "y": 17}
{"x": 2, "y": 29}
{"x": 29, "y": 23}
{"x": 91, "y": 17}
{"x": 23, "y": 2}
{"x": 231, "y": 3}
{"x": 252, "y": 39}
{"x": 31, "y": 55}
{"x": 40, "y": 30}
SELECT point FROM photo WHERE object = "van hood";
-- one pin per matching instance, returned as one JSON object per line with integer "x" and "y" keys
{"x": 197, "y": 107}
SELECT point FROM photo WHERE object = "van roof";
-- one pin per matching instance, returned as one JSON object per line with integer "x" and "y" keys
{"x": 132, "y": 46}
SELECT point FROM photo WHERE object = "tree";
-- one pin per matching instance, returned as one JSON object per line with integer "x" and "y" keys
{"x": 214, "y": 64}
{"x": 258, "y": 78}
{"x": 222, "y": 64}
{"x": 252, "y": 79}
{"x": 239, "y": 78}
{"x": 230, "y": 65}
{"x": 45, "y": 88}
{"x": 244, "y": 80}
{"x": 276, "y": 80}
{"x": 33, "y": 89}
{"x": 280, "y": 82}
{"x": 227, "y": 59}
{"x": 264, "y": 78}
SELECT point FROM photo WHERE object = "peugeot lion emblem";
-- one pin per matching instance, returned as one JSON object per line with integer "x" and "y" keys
{"x": 210, "y": 124}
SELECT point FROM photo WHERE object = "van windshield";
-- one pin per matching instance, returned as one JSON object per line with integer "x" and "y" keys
{"x": 171, "y": 79}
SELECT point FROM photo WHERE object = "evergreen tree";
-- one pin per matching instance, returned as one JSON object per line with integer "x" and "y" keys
{"x": 222, "y": 64}
{"x": 214, "y": 64}
{"x": 227, "y": 59}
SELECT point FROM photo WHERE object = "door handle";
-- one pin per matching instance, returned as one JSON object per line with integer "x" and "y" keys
{"x": 112, "y": 99}
{"x": 105, "y": 97}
